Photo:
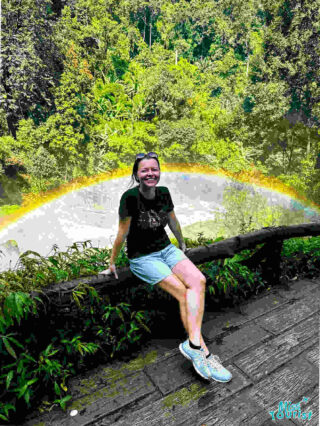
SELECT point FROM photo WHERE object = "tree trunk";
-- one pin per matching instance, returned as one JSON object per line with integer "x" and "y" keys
{"x": 248, "y": 58}
{"x": 144, "y": 29}
{"x": 150, "y": 36}
{"x": 11, "y": 125}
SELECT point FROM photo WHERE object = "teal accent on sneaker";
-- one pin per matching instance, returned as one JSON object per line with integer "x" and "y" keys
{"x": 217, "y": 371}
{"x": 197, "y": 357}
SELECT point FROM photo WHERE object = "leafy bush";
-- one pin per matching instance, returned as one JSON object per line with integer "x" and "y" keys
{"x": 42, "y": 363}
{"x": 36, "y": 272}
{"x": 247, "y": 211}
{"x": 231, "y": 281}
{"x": 300, "y": 257}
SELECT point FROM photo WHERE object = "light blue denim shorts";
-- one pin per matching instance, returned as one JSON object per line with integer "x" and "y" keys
{"x": 154, "y": 267}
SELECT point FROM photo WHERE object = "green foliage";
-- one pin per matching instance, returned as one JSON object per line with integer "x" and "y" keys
{"x": 296, "y": 259}
{"x": 42, "y": 167}
{"x": 34, "y": 370}
{"x": 16, "y": 305}
{"x": 111, "y": 101}
{"x": 30, "y": 62}
{"x": 247, "y": 211}
{"x": 7, "y": 146}
{"x": 11, "y": 190}
{"x": 37, "y": 271}
{"x": 304, "y": 245}
{"x": 290, "y": 41}
{"x": 127, "y": 332}
{"x": 8, "y": 209}
{"x": 306, "y": 180}
{"x": 192, "y": 80}
{"x": 230, "y": 278}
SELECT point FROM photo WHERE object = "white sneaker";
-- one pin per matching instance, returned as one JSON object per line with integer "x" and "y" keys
{"x": 217, "y": 371}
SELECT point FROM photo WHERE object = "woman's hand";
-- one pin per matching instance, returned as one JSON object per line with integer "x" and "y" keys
{"x": 111, "y": 270}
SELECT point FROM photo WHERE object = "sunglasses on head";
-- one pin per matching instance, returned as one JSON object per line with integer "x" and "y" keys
{"x": 150, "y": 154}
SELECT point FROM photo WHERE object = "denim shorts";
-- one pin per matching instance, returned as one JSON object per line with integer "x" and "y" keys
{"x": 154, "y": 267}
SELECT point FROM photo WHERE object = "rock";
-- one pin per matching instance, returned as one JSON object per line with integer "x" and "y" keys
{"x": 9, "y": 255}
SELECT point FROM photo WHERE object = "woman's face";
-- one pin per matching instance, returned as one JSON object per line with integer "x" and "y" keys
{"x": 148, "y": 173}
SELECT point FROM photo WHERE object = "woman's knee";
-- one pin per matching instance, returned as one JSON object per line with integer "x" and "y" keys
{"x": 190, "y": 275}
{"x": 199, "y": 284}
{"x": 173, "y": 285}
{"x": 203, "y": 282}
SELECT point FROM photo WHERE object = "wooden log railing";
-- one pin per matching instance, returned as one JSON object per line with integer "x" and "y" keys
{"x": 268, "y": 256}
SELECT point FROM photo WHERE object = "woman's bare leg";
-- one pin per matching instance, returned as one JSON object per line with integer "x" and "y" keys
{"x": 189, "y": 317}
{"x": 183, "y": 313}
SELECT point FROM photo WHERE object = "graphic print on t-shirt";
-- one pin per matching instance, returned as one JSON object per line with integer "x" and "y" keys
{"x": 151, "y": 219}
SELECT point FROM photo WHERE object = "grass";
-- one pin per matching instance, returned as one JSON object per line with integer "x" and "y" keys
{"x": 8, "y": 209}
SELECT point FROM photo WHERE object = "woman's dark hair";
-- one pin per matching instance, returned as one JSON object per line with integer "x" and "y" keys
{"x": 135, "y": 168}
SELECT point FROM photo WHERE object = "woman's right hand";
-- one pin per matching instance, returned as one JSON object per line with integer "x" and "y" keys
{"x": 111, "y": 270}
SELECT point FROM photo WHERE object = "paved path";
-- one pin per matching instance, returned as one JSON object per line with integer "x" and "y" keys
{"x": 270, "y": 344}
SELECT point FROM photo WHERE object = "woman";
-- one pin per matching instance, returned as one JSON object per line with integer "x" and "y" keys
{"x": 143, "y": 213}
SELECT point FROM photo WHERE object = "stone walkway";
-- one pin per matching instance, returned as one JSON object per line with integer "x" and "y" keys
{"x": 271, "y": 346}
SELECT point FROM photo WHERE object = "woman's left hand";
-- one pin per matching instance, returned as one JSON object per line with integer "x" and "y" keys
{"x": 183, "y": 247}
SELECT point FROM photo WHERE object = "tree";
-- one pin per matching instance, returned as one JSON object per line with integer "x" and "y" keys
{"x": 42, "y": 168}
{"x": 31, "y": 63}
{"x": 292, "y": 54}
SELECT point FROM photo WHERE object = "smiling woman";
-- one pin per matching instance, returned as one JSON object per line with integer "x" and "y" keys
{"x": 144, "y": 211}
{"x": 148, "y": 174}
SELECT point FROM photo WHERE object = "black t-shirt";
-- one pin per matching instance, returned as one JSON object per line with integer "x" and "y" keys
{"x": 149, "y": 217}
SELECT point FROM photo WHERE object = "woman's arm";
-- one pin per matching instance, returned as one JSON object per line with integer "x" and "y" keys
{"x": 123, "y": 231}
{"x": 175, "y": 227}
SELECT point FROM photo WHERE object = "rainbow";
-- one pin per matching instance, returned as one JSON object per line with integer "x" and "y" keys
{"x": 251, "y": 176}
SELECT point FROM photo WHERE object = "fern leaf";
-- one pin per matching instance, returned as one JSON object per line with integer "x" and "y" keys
{"x": 26, "y": 253}
{"x": 9, "y": 347}
{"x": 12, "y": 339}
{"x": 9, "y": 378}
{"x": 143, "y": 324}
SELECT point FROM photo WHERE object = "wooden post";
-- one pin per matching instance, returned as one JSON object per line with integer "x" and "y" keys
{"x": 271, "y": 267}
{"x": 269, "y": 257}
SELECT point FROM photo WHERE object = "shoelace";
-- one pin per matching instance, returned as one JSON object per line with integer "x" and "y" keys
{"x": 201, "y": 355}
{"x": 215, "y": 361}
